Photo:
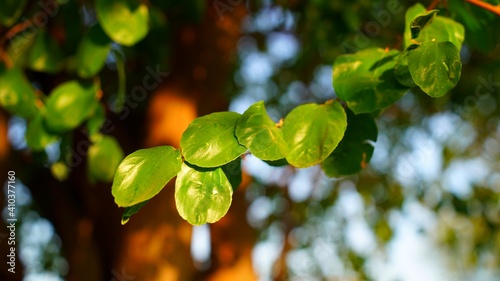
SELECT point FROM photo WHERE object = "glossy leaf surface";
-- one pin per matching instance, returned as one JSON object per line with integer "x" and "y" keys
{"x": 144, "y": 173}
{"x": 202, "y": 195}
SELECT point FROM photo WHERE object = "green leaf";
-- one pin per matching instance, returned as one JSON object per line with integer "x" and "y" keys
{"x": 37, "y": 135}
{"x": 412, "y": 12}
{"x": 69, "y": 105}
{"x": 19, "y": 47}
{"x": 313, "y": 131}
{"x": 355, "y": 150}
{"x": 11, "y": 10}
{"x": 45, "y": 55}
{"x": 209, "y": 141}
{"x": 59, "y": 171}
{"x": 366, "y": 80}
{"x": 435, "y": 67}
{"x": 17, "y": 95}
{"x": 124, "y": 21}
{"x": 233, "y": 173}
{"x": 441, "y": 30}
{"x": 402, "y": 71}
{"x": 144, "y": 173}
{"x": 132, "y": 210}
{"x": 104, "y": 157}
{"x": 421, "y": 21}
{"x": 259, "y": 133}
{"x": 92, "y": 52}
{"x": 202, "y": 195}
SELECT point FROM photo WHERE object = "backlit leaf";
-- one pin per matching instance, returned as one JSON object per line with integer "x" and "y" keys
{"x": 144, "y": 173}
{"x": 17, "y": 95}
{"x": 92, "y": 52}
{"x": 104, "y": 157}
{"x": 209, "y": 141}
{"x": 313, "y": 131}
{"x": 202, "y": 195}
{"x": 37, "y": 136}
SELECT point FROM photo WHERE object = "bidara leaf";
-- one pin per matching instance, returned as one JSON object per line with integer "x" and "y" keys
{"x": 356, "y": 148}
{"x": 412, "y": 12}
{"x": 132, "y": 210}
{"x": 401, "y": 69}
{"x": 37, "y": 136}
{"x": 202, "y": 195}
{"x": 366, "y": 80}
{"x": 92, "y": 52}
{"x": 144, "y": 173}
{"x": 45, "y": 55}
{"x": 69, "y": 105}
{"x": 103, "y": 157}
{"x": 259, "y": 133}
{"x": 421, "y": 21}
{"x": 124, "y": 21}
{"x": 209, "y": 141}
{"x": 443, "y": 29}
{"x": 233, "y": 172}
{"x": 435, "y": 67}
{"x": 313, "y": 131}
{"x": 17, "y": 95}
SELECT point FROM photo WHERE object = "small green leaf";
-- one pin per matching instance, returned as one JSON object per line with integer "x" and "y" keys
{"x": 366, "y": 80}
{"x": 144, "y": 173}
{"x": 435, "y": 67}
{"x": 313, "y": 131}
{"x": 412, "y": 12}
{"x": 69, "y": 105}
{"x": 124, "y": 21}
{"x": 104, "y": 157}
{"x": 132, "y": 210}
{"x": 11, "y": 10}
{"x": 45, "y": 55}
{"x": 37, "y": 135}
{"x": 202, "y": 195}
{"x": 92, "y": 52}
{"x": 259, "y": 133}
{"x": 402, "y": 71}
{"x": 59, "y": 171}
{"x": 443, "y": 29}
{"x": 421, "y": 21}
{"x": 233, "y": 172}
{"x": 17, "y": 95}
{"x": 209, "y": 141}
{"x": 355, "y": 150}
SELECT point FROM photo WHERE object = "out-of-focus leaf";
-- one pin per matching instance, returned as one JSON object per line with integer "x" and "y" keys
{"x": 313, "y": 131}
{"x": 202, "y": 195}
{"x": 144, "y": 173}
{"x": 17, "y": 95}
{"x": 69, "y": 105}
{"x": 104, "y": 157}
{"x": 124, "y": 21}
{"x": 95, "y": 122}
{"x": 45, "y": 55}
{"x": 92, "y": 52}
{"x": 37, "y": 135}
{"x": 10, "y": 11}
{"x": 209, "y": 141}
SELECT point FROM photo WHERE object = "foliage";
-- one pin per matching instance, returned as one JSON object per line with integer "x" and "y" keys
{"x": 336, "y": 134}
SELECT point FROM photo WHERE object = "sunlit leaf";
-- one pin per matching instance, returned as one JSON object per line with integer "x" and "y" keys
{"x": 202, "y": 195}
{"x": 435, "y": 67}
{"x": 313, "y": 131}
{"x": 259, "y": 133}
{"x": 132, "y": 210}
{"x": 355, "y": 150}
{"x": 366, "y": 80}
{"x": 209, "y": 141}
{"x": 124, "y": 21}
{"x": 92, "y": 52}
{"x": 69, "y": 105}
{"x": 17, "y": 95}
{"x": 45, "y": 55}
{"x": 144, "y": 173}
{"x": 103, "y": 158}
{"x": 37, "y": 136}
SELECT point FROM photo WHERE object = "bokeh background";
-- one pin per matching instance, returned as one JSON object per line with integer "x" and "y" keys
{"x": 426, "y": 208}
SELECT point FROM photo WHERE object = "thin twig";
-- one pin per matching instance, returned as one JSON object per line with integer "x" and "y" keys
{"x": 487, "y": 6}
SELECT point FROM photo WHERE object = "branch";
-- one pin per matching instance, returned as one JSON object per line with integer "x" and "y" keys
{"x": 487, "y": 6}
